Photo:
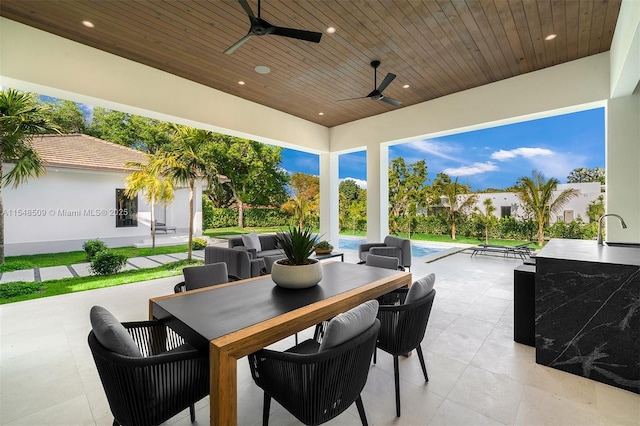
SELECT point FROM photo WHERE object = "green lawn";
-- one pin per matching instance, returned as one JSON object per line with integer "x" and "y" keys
{"x": 19, "y": 291}
{"x": 235, "y": 230}
{"x": 15, "y": 263}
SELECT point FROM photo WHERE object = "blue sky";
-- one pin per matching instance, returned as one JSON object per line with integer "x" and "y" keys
{"x": 494, "y": 157}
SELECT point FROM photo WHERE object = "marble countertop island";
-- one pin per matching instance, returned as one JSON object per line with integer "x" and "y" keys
{"x": 587, "y": 311}
{"x": 590, "y": 251}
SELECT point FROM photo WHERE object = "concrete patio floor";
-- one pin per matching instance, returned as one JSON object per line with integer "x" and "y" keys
{"x": 478, "y": 375}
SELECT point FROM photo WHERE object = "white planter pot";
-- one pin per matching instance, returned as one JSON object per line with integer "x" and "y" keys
{"x": 296, "y": 276}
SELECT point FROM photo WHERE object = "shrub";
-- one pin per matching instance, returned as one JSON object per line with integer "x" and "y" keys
{"x": 107, "y": 262}
{"x": 199, "y": 243}
{"x": 92, "y": 247}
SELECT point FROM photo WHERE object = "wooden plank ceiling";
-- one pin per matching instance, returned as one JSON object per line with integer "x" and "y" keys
{"x": 436, "y": 47}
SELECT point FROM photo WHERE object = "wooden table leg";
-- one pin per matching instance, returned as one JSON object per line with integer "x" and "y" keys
{"x": 223, "y": 394}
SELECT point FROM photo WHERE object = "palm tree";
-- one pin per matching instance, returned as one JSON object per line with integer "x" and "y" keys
{"x": 300, "y": 208}
{"x": 536, "y": 193}
{"x": 185, "y": 163}
{"x": 147, "y": 178}
{"x": 486, "y": 217}
{"x": 21, "y": 116}
{"x": 455, "y": 197}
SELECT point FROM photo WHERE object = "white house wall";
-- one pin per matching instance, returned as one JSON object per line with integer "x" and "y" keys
{"x": 64, "y": 208}
{"x": 588, "y": 192}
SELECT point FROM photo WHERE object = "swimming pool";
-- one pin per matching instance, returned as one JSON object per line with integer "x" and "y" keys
{"x": 417, "y": 249}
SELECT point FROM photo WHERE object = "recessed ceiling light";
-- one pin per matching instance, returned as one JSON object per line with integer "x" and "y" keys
{"x": 331, "y": 30}
{"x": 406, "y": 86}
{"x": 261, "y": 69}
{"x": 88, "y": 24}
{"x": 241, "y": 83}
{"x": 550, "y": 37}
{"x": 321, "y": 113}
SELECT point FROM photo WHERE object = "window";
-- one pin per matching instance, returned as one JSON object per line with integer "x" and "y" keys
{"x": 126, "y": 210}
{"x": 505, "y": 211}
{"x": 568, "y": 216}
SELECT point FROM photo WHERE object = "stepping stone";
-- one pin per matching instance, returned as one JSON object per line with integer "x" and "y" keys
{"x": 82, "y": 269}
{"x": 162, "y": 258}
{"x": 54, "y": 273}
{"x": 143, "y": 262}
{"x": 23, "y": 275}
{"x": 177, "y": 256}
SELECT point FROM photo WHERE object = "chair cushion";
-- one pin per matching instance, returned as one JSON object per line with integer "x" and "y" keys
{"x": 420, "y": 288}
{"x": 349, "y": 324}
{"x": 111, "y": 333}
{"x": 251, "y": 241}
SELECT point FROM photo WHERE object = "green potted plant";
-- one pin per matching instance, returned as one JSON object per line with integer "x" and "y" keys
{"x": 296, "y": 270}
{"x": 323, "y": 247}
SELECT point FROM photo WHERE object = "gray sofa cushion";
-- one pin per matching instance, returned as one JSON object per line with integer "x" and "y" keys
{"x": 349, "y": 324}
{"x": 252, "y": 241}
{"x": 111, "y": 333}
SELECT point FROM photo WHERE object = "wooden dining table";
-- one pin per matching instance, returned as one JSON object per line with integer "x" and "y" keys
{"x": 235, "y": 319}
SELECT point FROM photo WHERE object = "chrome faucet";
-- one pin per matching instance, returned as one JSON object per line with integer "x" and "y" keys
{"x": 624, "y": 225}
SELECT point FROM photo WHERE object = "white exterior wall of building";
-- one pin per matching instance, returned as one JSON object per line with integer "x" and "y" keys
{"x": 579, "y": 205}
{"x": 61, "y": 210}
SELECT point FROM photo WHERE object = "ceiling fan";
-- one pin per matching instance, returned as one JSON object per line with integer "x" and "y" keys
{"x": 260, "y": 27}
{"x": 377, "y": 95}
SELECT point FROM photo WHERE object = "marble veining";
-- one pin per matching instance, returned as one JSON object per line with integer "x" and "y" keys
{"x": 588, "y": 320}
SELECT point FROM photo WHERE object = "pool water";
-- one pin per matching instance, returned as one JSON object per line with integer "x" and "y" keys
{"x": 417, "y": 249}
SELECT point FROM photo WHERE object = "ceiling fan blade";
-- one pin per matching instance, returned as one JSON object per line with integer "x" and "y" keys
{"x": 247, "y": 9}
{"x": 298, "y": 34}
{"x": 390, "y": 101}
{"x": 387, "y": 80}
{"x": 352, "y": 99}
{"x": 237, "y": 44}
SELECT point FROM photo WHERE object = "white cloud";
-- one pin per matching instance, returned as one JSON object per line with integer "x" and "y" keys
{"x": 438, "y": 149}
{"x": 474, "y": 169}
{"x": 503, "y": 155}
{"x": 361, "y": 183}
{"x": 559, "y": 165}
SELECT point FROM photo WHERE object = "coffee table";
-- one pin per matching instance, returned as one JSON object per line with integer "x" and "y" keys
{"x": 235, "y": 319}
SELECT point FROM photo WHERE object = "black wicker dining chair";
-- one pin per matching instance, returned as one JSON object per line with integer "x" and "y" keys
{"x": 148, "y": 372}
{"x": 404, "y": 314}
{"x": 314, "y": 381}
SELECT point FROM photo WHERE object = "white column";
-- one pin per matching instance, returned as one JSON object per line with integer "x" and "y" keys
{"x": 623, "y": 174}
{"x": 377, "y": 192}
{"x": 329, "y": 222}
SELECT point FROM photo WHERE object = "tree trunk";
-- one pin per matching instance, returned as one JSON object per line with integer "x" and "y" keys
{"x": 453, "y": 230}
{"x": 486, "y": 234}
{"x": 240, "y": 214}
{"x": 153, "y": 223}
{"x": 191, "y": 191}
{"x": 540, "y": 233}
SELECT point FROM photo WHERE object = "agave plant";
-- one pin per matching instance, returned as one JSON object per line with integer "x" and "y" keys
{"x": 297, "y": 244}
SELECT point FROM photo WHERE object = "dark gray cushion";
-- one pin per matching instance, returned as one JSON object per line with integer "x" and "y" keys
{"x": 420, "y": 288}
{"x": 111, "y": 333}
{"x": 251, "y": 241}
{"x": 349, "y": 324}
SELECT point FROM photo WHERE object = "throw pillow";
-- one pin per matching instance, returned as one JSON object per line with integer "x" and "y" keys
{"x": 420, "y": 288}
{"x": 111, "y": 333}
{"x": 349, "y": 324}
{"x": 251, "y": 241}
